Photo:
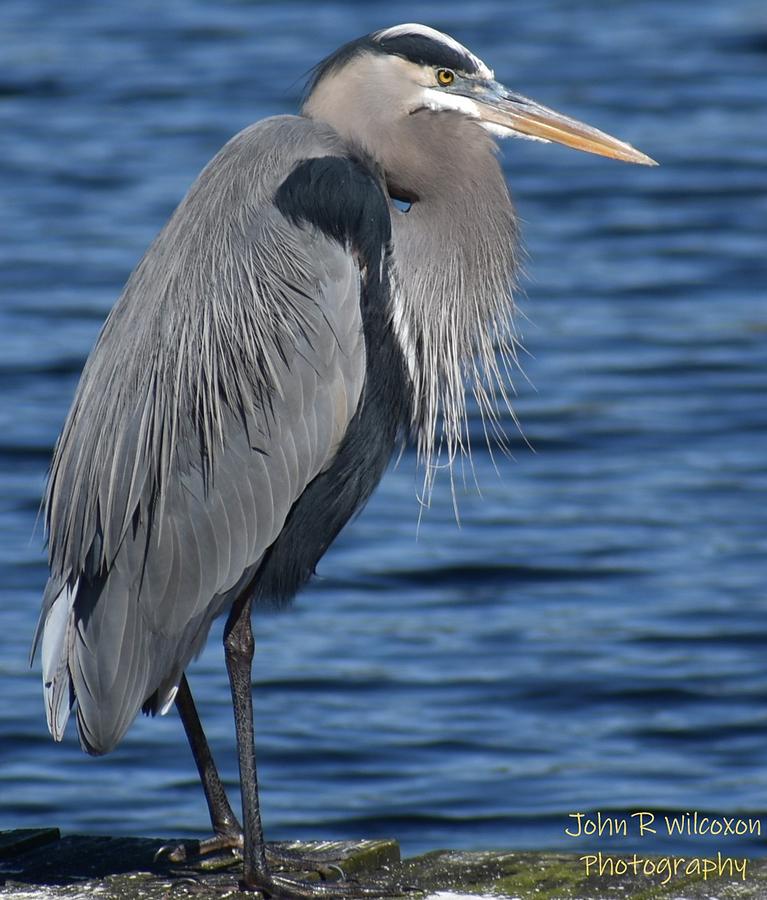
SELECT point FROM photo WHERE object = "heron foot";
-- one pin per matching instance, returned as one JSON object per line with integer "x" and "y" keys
{"x": 274, "y": 886}
{"x": 327, "y": 863}
{"x": 186, "y": 850}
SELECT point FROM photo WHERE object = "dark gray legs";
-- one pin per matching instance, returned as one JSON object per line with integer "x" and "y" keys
{"x": 257, "y": 875}
{"x": 227, "y": 833}
{"x": 227, "y": 830}
{"x": 257, "y": 872}
{"x": 238, "y": 647}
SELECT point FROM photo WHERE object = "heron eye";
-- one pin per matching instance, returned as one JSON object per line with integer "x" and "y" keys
{"x": 445, "y": 76}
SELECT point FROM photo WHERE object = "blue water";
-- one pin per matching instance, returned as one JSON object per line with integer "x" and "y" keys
{"x": 593, "y": 636}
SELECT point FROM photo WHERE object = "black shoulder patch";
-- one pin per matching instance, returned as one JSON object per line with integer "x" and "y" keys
{"x": 419, "y": 48}
{"x": 339, "y": 196}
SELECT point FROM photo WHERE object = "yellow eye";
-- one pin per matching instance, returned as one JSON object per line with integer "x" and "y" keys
{"x": 445, "y": 76}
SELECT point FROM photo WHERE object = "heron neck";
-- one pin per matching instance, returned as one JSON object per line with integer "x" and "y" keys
{"x": 455, "y": 255}
{"x": 453, "y": 265}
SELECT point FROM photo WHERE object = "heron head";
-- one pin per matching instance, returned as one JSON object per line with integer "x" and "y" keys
{"x": 370, "y": 86}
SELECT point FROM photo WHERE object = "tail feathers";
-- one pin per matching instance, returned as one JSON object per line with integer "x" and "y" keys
{"x": 101, "y": 657}
{"x": 92, "y": 661}
{"x": 112, "y": 662}
{"x": 118, "y": 662}
{"x": 57, "y": 638}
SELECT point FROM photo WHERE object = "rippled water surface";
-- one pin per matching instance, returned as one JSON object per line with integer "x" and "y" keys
{"x": 593, "y": 636}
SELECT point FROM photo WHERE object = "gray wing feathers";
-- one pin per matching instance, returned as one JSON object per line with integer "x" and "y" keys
{"x": 201, "y": 416}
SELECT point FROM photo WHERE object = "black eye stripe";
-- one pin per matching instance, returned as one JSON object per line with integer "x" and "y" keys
{"x": 413, "y": 47}
{"x": 428, "y": 52}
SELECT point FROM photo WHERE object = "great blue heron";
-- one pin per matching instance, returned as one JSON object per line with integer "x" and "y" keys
{"x": 319, "y": 296}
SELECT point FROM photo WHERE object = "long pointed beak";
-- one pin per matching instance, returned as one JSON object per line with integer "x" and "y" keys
{"x": 516, "y": 114}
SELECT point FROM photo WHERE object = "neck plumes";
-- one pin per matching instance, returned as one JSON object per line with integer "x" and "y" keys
{"x": 455, "y": 254}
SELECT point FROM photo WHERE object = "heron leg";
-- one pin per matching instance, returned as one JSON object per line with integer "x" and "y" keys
{"x": 227, "y": 829}
{"x": 222, "y": 817}
{"x": 238, "y": 648}
{"x": 257, "y": 874}
{"x": 227, "y": 832}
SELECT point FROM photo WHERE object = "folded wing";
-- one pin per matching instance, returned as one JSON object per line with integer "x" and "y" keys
{"x": 221, "y": 386}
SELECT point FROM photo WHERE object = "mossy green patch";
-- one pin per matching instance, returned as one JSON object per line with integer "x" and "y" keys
{"x": 43, "y": 866}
